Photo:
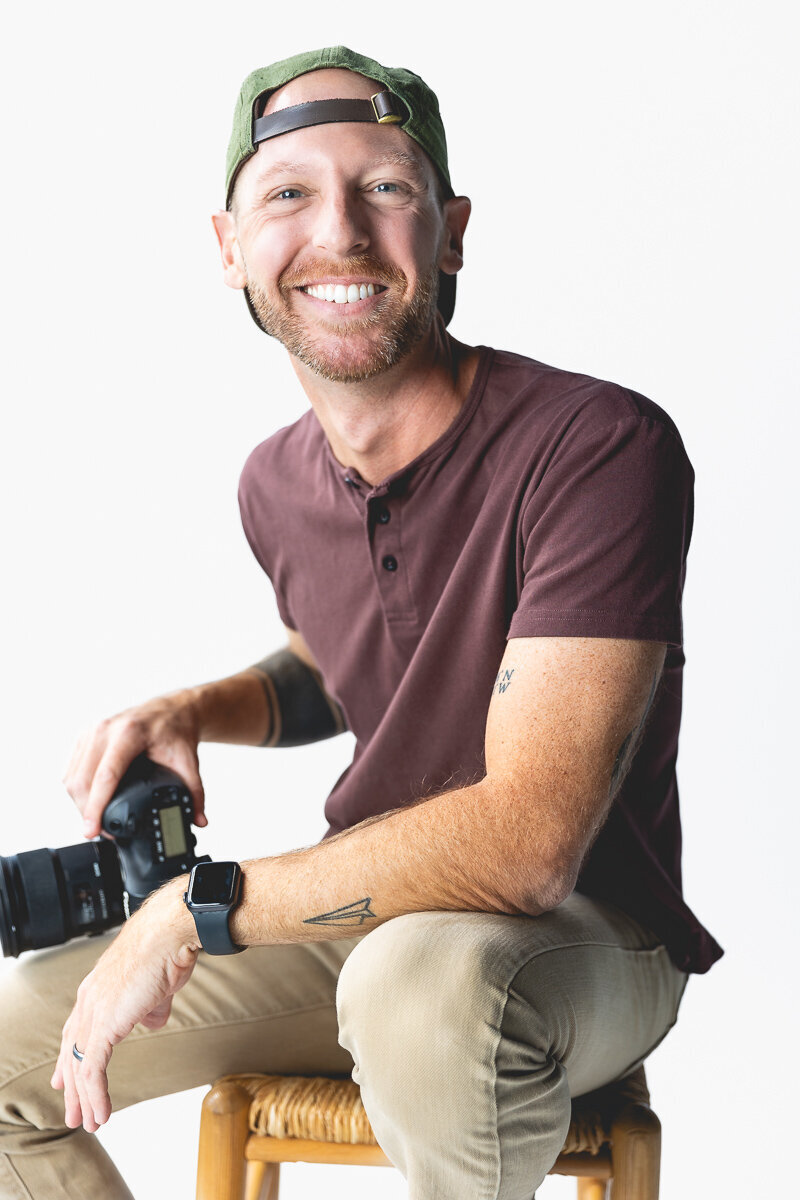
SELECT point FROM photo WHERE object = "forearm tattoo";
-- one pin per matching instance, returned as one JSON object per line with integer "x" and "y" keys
{"x": 300, "y": 708}
{"x": 349, "y": 915}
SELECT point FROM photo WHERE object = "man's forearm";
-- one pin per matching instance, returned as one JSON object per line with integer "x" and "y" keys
{"x": 280, "y": 701}
{"x": 462, "y": 851}
{"x": 232, "y": 710}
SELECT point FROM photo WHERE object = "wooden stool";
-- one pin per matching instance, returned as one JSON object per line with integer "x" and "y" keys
{"x": 252, "y": 1123}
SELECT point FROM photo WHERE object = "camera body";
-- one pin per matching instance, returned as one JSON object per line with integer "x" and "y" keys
{"x": 150, "y": 820}
{"x": 49, "y": 896}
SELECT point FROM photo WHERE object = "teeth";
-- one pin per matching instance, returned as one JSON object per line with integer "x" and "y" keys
{"x": 340, "y": 294}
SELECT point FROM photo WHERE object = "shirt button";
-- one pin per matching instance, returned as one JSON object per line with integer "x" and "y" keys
{"x": 389, "y": 562}
{"x": 384, "y": 516}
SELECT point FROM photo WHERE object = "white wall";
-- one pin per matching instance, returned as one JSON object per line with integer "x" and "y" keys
{"x": 635, "y": 202}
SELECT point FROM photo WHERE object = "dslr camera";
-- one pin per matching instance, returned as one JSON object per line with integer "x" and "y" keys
{"x": 49, "y": 896}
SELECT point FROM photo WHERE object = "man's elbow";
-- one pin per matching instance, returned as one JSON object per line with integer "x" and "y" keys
{"x": 538, "y": 891}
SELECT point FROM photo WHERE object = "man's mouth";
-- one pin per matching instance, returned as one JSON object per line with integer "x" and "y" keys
{"x": 339, "y": 293}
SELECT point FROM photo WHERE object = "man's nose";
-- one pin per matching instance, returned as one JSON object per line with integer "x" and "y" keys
{"x": 341, "y": 227}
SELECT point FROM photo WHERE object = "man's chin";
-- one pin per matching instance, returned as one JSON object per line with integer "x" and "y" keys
{"x": 348, "y": 359}
{"x": 349, "y": 351}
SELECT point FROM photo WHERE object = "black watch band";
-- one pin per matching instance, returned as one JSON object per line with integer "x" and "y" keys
{"x": 214, "y": 932}
{"x": 214, "y": 891}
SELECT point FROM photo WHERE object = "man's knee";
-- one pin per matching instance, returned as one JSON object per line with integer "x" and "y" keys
{"x": 426, "y": 986}
{"x": 421, "y": 1002}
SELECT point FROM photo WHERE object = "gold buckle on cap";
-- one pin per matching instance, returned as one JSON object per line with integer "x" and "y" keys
{"x": 388, "y": 118}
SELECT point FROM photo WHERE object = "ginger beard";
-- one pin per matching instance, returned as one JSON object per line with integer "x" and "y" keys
{"x": 357, "y": 348}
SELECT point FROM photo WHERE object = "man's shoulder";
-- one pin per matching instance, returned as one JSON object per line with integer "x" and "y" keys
{"x": 549, "y": 395}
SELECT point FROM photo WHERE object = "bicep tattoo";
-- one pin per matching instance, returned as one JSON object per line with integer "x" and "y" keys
{"x": 301, "y": 710}
{"x": 503, "y": 681}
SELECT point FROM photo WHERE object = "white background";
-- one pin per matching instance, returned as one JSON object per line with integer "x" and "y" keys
{"x": 635, "y": 211}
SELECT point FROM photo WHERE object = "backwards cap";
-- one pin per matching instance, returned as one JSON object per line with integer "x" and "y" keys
{"x": 405, "y": 100}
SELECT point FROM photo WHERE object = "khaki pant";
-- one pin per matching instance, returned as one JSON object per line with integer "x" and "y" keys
{"x": 469, "y": 1033}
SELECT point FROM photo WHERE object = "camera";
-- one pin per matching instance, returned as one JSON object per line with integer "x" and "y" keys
{"x": 49, "y": 896}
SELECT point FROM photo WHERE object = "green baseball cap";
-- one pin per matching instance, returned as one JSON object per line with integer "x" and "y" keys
{"x": 405, "y": 100}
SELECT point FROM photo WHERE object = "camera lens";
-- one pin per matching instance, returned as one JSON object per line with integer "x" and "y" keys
{"x": 49, "y": 896}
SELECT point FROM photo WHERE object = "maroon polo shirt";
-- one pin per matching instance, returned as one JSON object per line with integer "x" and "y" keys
{"x": 554, "y": 505}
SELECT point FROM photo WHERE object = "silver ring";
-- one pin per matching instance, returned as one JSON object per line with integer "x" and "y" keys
{"x": 76, "y": 1052}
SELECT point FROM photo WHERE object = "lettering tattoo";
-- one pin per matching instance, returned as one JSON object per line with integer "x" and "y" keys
{"x": 350, "y": 914}
{"x": 503, "y": 681}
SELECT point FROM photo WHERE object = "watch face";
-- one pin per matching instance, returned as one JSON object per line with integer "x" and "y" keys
{"x": 213, "y": 883}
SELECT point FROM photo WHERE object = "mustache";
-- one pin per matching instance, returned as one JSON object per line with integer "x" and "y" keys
{"x": 358, "y": 264}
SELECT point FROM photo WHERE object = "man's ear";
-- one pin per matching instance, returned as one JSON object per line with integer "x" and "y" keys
{"x": 456, "y": 215}
{"x": 233, "y": 269}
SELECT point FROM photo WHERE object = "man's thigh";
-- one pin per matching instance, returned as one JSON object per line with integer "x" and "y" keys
{"x": 271, "y": 1009}
{"x": 472, "y": 1031}
{"x": 585, "y": 984}
{"x": 597, "y": 992}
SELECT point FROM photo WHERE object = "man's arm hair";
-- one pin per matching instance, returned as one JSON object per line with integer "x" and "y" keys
{"x": 301, "y": 711}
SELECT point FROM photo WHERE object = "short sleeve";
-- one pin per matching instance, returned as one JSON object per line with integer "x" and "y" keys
{"x": 603, "y": 535}
{"x": 261, "y": 524}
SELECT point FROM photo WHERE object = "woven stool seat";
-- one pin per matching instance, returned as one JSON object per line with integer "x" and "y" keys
{"x": 259, "y": 1121}
{"x": 321, "y": 1110}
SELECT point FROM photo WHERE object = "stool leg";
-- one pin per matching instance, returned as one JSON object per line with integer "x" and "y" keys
{"x": 223, "y": 1133}
{"x": 262, "y": 1181}
{"x": 636, "y": 1154}
{"x": 591, "y": 1189}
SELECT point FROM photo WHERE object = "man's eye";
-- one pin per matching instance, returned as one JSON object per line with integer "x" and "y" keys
{"x": 387, "y": 187}
{"x": 287, "y": 194}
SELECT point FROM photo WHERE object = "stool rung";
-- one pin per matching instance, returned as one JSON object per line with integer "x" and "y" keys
{"x": 269, "y": 1149}
{"x": 593, "y": 1166}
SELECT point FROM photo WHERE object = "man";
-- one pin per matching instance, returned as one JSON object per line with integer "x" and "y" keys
{"x": 479, "y": 562}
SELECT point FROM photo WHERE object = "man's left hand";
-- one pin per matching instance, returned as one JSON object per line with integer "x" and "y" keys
{"x": 133, "y": 983}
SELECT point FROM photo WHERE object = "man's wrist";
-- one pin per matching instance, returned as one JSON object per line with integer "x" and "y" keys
{"x": 170, "y": 917}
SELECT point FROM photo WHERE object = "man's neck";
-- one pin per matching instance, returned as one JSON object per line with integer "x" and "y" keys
{"x": 382, "y": 424}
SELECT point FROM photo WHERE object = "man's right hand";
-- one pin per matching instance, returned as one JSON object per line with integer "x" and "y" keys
{"x": 166, "y": 729}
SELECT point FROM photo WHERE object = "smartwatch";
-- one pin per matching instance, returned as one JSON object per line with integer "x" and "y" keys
{"x": 215, "y": 888}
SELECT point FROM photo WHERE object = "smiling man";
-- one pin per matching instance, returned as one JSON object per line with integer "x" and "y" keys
{"x": 479, "y": 562}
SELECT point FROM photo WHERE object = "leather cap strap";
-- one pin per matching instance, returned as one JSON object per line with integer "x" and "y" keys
{"x": 384, "y": 108}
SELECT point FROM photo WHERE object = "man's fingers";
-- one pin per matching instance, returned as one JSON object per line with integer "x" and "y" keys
{"x": 92, "y": 1084}
{"x": 80, "y": 772}
{"x": 182, "y": 759}
{"x": 109, "y": 771}
{"x": 63, "y": 1077}
{"x": 73, "y": 1114}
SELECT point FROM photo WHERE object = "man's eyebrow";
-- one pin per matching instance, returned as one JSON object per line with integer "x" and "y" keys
{"x": 398, "y": 158}
{"x": 394, "y": 158}
{"x": 285, "y": 167}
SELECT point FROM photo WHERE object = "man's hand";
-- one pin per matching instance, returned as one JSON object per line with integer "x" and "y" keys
{"x": 167, "y": 729}
{"x": 133, "y": 983}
